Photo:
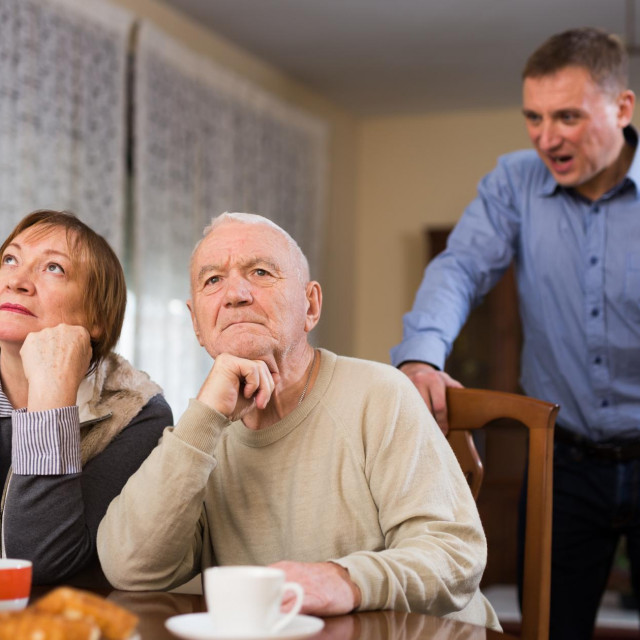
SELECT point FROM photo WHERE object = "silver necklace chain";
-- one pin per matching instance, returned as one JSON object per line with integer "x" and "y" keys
{"x": 306, "y": 384}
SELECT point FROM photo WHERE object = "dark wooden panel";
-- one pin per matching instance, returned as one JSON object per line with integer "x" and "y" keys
{"x": 486, "y": 355}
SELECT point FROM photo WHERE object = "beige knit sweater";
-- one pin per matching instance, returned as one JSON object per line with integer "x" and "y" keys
{"x": 359, "y": 474}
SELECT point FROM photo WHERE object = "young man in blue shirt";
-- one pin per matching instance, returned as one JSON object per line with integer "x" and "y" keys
{"x": 568, "y": 214}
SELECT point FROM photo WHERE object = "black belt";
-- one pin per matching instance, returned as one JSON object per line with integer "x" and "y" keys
{"x": 612, "y": 451}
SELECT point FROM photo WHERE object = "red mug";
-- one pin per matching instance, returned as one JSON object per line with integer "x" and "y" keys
{"x": 15, "y": 583}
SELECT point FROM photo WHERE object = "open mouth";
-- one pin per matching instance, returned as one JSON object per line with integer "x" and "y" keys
{"x": 561, "y": 163}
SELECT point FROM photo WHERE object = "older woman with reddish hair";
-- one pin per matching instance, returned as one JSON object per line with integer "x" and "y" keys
{"x": 76, "y": 419}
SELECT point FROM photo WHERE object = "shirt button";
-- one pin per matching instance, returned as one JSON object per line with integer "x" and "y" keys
{"x": 595, "y": 313}
{"x": 593, "y": 260}
{"x": 604, "y": 403}
{"x": 596, "y": 209}
{"x": 597, "y": 360}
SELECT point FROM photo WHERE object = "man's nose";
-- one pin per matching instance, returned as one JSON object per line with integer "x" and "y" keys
{"x": 238, "y": 291}
{"x": 549, "y": 137}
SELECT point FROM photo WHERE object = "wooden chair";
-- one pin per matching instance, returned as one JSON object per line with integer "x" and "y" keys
{"x": 470, "y": 409}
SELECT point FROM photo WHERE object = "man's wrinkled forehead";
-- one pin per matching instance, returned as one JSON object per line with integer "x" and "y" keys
{"x": 239, "y": 244}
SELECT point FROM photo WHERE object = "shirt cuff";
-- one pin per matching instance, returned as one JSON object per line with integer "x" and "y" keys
{"x": 46, "y": 443}
{"x": 419, "y": 349}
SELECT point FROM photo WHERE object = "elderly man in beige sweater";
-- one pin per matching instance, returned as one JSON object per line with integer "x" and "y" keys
{"x": 328, "y": 467}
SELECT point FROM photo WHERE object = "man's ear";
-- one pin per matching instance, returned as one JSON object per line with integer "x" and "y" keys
{"x": 194, "y": 322}
{"x": 313, "y": 294}
{"x": 626, "y": 104}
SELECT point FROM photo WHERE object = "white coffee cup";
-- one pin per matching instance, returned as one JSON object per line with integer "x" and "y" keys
{"x": 246, "y": 599}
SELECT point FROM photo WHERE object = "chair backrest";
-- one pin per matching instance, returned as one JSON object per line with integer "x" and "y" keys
{"x": 470, "y": 409}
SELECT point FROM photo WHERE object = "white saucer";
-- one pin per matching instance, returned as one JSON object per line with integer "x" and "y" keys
{"x": 198, "y": 626}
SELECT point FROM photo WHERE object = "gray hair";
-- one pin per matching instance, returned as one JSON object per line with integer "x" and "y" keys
{"x": 253, "y": 218}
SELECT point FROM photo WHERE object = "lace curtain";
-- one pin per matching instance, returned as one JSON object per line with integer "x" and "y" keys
{"x": 62, "y": 111}
{"x": 207, "y": 141}
{"x": 204, "y": 141}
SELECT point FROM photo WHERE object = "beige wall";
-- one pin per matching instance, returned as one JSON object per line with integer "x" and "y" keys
{"x": 414, "y": 172}
{"x": 335, "y": 331}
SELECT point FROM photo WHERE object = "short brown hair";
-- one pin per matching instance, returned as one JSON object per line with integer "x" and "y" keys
{"x": 106, "y": 295}
{"x": 600, "y": 53}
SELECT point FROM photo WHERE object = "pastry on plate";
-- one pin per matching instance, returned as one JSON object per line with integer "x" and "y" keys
{"x": 68, "y": 614}
{"x": 115, "y": 622}
{"x": 33, "y": 625}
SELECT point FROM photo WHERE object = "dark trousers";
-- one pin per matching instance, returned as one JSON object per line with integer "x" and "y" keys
{"x": 595, "y": 502}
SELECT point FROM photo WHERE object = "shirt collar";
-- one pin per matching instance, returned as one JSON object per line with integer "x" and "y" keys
{"x": 633, "y": 175}
{"x": 550, "y": 186}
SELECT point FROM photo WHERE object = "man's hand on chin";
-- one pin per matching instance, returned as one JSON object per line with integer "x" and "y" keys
{"x": 235, "y": 385}
{"x": 328, "y": 589}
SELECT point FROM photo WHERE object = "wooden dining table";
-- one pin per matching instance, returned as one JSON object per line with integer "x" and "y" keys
{"x": 153, "y": 608}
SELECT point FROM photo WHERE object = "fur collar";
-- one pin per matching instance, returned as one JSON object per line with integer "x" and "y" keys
{"x": 108, "y": 400}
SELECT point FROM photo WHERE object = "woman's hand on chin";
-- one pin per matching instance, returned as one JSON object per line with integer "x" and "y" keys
{"x": 55, "y": 360}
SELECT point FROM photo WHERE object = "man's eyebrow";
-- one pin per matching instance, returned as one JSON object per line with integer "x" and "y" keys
{"x": 207, "y": 268}
{"x": 568, "y": 110}
{"x": 247, "y": 264}
{"x": 263, "y": 261}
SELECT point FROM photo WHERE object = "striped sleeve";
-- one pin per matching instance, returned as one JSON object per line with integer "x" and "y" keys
{"x": 5, "y": 406}
{"x": 46, "y": 442}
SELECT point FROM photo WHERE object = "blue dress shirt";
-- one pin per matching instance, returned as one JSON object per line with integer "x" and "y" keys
{"x": 578, "y": 276}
